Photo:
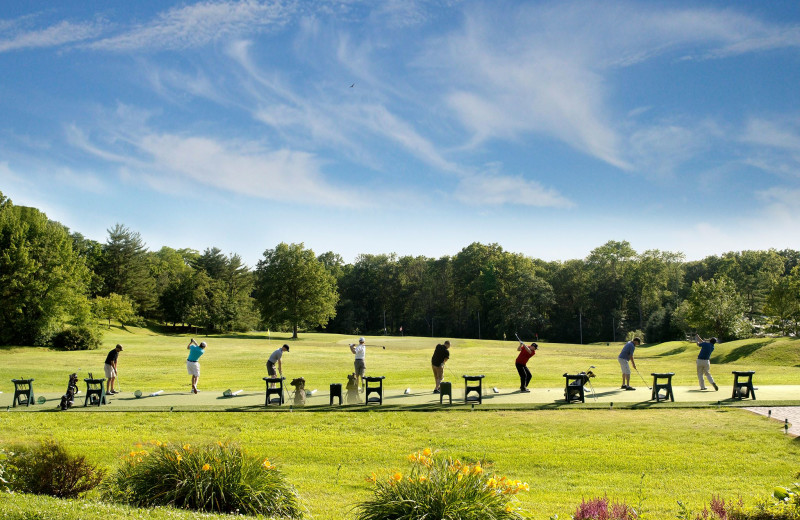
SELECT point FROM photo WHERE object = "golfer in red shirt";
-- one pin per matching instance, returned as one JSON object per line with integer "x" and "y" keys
{"x": 525, "y": 353}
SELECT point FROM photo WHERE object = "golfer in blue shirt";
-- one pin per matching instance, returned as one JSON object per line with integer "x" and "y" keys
{"x": 704, "y": 360}
{"x": 193, "y": 361}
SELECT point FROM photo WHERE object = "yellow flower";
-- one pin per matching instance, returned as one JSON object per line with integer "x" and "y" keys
{"x": 477, "y": 469}
{"x": 206, "y": 467}
{"x": 267, "y": 464}
{"x": 491, "y": 483}
{"x": 423, "y": 478}
{"x": 133, "y": 454}
{"x": 178, "y": 458}
{"x": 426, "y": 452}
{"x": 186, "y": 447}
{"x": 460, "y": 476}
{"x": 372, "y": 478}
{"x": 397, "y": 477}
{"x": 509, "y": 508}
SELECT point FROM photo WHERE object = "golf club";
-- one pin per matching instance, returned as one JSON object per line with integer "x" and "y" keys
{"x": 643, "y": 380}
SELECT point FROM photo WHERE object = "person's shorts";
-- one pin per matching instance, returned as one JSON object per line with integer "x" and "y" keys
{"x": 110, "y": 371}
{"x": 193, "y": 367}
{"x": 623, "y": 364}
{"x": 360, "y": 367}
{"x": 271, "y": 369}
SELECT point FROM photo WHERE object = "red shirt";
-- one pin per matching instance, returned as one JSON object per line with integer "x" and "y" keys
{"x": 524, "y": 356}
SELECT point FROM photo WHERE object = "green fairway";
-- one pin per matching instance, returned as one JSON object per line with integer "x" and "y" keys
{"x": 639, "y": 454}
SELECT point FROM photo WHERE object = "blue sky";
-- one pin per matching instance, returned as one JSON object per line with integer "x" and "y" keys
{"x": 414, "y": 127}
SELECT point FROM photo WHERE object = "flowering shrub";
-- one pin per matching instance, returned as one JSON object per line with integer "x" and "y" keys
{"x": 440, "y": 487}
{"x": 47, "y": 469}
{"x": 601, "y": 509}
{"x": 219, "y": 478}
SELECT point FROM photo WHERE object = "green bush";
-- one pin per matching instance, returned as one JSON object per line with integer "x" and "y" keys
{"x": 76, "y": 338}
{"x": 47, "y": 469}
{"x": 439, "y": 487}
{"x": 219, "y": 478}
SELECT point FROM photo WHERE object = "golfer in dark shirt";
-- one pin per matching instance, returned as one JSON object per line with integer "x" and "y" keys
{"x": 110, "y": 369}
{"x": 440, "y": 356}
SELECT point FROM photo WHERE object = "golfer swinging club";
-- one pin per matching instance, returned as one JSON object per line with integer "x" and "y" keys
{"x": 193, "y": 361}
{"x": 359, "y": 364}
{"x": 525, "y": 353}
{"x": 704, "y": 360}
{"x": 627, "y": 356}
{"x": 441, "y": 354}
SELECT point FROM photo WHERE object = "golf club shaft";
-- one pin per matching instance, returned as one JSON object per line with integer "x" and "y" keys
{"x": 643, "y": 380}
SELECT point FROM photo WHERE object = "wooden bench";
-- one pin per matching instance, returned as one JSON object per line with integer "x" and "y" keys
{"x": 274, "y": 387}
{"x": 743, "y": 389}
{"x": 373, "y": 385}
{"x": 662, "y": 381}
{"x": 23, "y": 392}
{"x": 476, "y": 387}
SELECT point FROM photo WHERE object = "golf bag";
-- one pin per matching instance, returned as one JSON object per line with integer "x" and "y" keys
{"x": 68, "y": 399}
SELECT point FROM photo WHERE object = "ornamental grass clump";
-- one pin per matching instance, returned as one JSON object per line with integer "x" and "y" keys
{"x": 602, "y": 509}
{"x": 218, "y": 478}
{"x": 439, "y": 487}
{"x": 48, "y": 469}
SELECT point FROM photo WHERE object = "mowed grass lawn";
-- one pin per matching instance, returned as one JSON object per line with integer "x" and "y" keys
{"x": 652, "y": 456}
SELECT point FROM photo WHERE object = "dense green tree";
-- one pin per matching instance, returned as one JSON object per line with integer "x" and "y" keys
{"x": 611, "y": 266}
{"x": 783, "y": 303}
{"x": 226, "y": 300}
{"x": 126, "y": 269}
{"x": 754, "y": 273}
{"x": 43, "y": 282}
{"x": 294, "y": 288}
{"x": 714, "y": 307}
{"x": 114, "y": 307}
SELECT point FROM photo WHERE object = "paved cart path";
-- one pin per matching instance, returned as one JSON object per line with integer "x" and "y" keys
{"x": 781, "y": 413}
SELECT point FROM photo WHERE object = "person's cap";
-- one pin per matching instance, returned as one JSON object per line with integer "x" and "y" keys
{"x": 119, "y": 346}
{"x": 286, "y": 347}
{"x": 713, "y": 340}
{"x": 202, "y": 344}
{"x": 447, "y": 343}
{"x": 361, "y": 340}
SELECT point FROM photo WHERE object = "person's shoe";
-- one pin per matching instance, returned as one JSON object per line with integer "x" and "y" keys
{"x": 436, "y": 391}
{"x": 716, "y": 388}
{"x": 623, "y": 387}
{"x": 194, "y": 390}
{"x": 525, "y": 391}
{"x": 630, "y": 388}
{"x": 702, "y": 388}
{"x": 110, "y": 392}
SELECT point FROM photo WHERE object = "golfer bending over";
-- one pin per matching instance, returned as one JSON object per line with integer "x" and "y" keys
{"x": 193, "y": 361}
{"x": 110, "y": 369}
{"x": 704, "y": 360}
{"x": 525, "y": 353}
{"x": 440, "y": 356}
{"x": 276, "y": 358}
{"x": 359, "y": 364}
{"x": 627, "y": 356}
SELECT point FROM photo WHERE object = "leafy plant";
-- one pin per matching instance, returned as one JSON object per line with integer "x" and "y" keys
{"x": 76, "y": 338}
{"x": 603, "y": 509}
{"x": 219, "y": 478}
{"x": 440, "y": 487}
{"x": 47, "y": 469}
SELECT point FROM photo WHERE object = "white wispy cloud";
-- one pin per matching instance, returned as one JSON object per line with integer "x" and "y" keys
{"x": 200, "y": 24}
{"x": 497, "y": 190}
{"x": 62, "y": 33}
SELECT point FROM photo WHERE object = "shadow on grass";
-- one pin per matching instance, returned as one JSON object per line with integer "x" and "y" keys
{"x": 672, "y": 352}
{"x": 740, "y": 352}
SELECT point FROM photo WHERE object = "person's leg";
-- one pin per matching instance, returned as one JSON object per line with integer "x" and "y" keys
{"x": 700, "y": 371}
{"x": 522, "y": 375}
{"x": 707, "y": 373}
{"x": 528, "y": 376}
{"x": 438, "y": 376}
{"x": 626, "y": 372}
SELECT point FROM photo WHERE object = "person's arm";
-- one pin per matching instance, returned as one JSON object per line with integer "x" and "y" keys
{"x": 352, "y": 348}
{"x": 633, "y": 362}
{"x": 280, "y": 367}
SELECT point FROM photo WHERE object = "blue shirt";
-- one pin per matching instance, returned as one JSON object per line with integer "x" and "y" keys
{"x": 195, "y": 352}
{"x": 627, "y": 350}
{"x": 706, "y": 349}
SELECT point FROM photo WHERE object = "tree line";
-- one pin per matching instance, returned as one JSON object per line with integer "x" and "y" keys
{"x": 52, "y": 280}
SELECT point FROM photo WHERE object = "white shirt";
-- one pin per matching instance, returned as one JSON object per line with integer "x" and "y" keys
{"x": 360, "y": 351}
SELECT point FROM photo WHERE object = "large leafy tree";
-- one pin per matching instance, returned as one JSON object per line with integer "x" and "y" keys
{"x": 226, "y": 283}
{"x": 715, "y": 307}
{"x": 294, "y": 288}
{"x": 42, "y": 280}
{"x": 126, "y": 268}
